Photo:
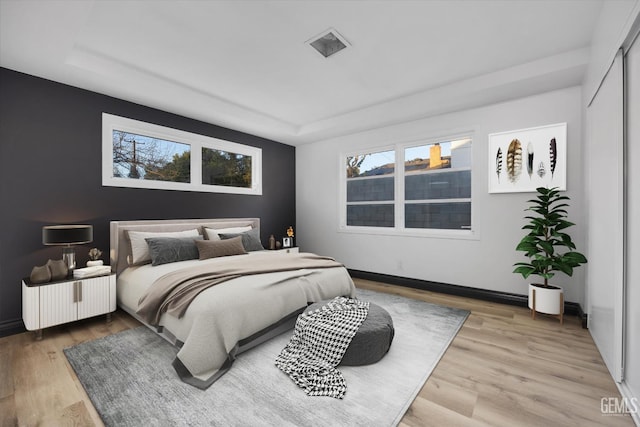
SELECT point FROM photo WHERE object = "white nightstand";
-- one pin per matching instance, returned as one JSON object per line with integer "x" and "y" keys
{"x": 292, "y": 250}
{"x": 63, "y": 301}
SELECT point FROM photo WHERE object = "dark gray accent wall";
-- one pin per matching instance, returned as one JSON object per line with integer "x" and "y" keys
{"x": 50, "y": 173}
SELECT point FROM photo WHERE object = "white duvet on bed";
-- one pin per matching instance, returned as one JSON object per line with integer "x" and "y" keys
{"x": 226, "y": 313}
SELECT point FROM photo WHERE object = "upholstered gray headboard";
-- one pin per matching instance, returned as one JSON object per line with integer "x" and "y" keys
{"x": 121, "y": 247}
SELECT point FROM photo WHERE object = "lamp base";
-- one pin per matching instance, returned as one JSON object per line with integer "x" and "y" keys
{"x": 69, "y": 258}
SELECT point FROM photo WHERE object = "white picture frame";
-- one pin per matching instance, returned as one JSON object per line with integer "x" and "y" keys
{"x": 287, "y": 242}
{"x": 525, "y": 159}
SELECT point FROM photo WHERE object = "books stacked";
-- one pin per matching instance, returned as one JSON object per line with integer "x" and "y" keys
{"x": 98, "y": 270}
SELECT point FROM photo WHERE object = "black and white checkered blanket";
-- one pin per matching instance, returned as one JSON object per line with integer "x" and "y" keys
{"x": 319, "y": 341}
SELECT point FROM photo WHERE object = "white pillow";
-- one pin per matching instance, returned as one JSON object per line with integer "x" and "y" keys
{"x": 140, "y": 249}
{"x": 212, "y": 234}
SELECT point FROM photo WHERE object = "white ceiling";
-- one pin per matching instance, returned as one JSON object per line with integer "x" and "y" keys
{"x": 245, "y": 64}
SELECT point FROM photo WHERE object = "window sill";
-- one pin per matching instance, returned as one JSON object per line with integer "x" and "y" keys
{"x": 409, "y": 232}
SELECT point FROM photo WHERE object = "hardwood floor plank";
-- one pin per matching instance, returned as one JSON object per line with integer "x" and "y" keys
{"x": 72, "y": 416}
{"x": 425, "y": 413}
{"x": 8, "y": 417}
{"x": 474, "y": 321}
{"x": 487, "y": 355}
{"x": 6, "y": 381}
{"x": 450, "y": 396}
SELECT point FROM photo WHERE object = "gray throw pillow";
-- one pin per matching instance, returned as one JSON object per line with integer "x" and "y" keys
{"x": 140, "y": 248}
{"x": 164, "y": 250}
{"x": 218, "y": 248}
{"x": 250, "y": 239}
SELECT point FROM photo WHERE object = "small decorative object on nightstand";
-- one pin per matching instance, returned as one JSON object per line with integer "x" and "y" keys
{"x": 290, "y": 235}
{"x": 94, "y": 257}
{"x": 96, "y": 270}
{"x": 58, "y": 268}
{"x": 40, "y": 274}
{"x": 52, "y": 270}
{"x": 272, "y": 242}
{"x": 286, "y": 242}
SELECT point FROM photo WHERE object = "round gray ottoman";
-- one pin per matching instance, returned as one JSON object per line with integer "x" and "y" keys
{"x": 373, "y": 339}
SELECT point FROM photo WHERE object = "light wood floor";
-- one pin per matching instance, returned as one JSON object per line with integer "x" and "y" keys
{"x": 502, "y": 369}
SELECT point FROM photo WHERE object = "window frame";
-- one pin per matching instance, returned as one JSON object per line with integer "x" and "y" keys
{"x": 197, "y": 142}
{"x": 399, "y": 191}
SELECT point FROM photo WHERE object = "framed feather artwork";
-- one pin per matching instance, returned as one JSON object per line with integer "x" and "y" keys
{"x": 525, "y": 159}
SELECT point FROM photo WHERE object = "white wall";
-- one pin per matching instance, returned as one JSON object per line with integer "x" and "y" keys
{"x": 484, "y": 262}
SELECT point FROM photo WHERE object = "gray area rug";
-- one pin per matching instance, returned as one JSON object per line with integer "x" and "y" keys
{"x": 131, "y": 382}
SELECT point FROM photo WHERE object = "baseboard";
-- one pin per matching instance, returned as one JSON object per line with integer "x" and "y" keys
{"x": 570, "y": 308}
{"x": 584, "y": 316}
{"x": 11, "y": 327}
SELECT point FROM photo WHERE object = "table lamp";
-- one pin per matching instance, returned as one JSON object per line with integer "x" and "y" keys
{"x": 67, "y": 235}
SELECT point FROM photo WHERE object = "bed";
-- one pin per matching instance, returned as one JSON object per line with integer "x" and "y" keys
{"x": 239, "y": 311}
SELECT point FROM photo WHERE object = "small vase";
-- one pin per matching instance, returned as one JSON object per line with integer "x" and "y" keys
{"x": 94, "y": 263}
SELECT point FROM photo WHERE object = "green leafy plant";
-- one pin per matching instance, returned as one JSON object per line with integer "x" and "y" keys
{"x": 547, "y": 246}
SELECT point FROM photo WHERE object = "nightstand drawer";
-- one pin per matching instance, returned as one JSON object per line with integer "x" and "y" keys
{"x": 293, "y": 250}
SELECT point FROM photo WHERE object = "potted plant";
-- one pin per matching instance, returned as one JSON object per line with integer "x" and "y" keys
{"x": 549, "y": 249}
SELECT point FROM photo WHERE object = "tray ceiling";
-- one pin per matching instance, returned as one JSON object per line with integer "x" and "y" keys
{"x": 247, "y": 65}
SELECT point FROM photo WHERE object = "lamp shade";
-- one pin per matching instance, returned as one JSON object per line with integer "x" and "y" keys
{"x": 67, "y": 234}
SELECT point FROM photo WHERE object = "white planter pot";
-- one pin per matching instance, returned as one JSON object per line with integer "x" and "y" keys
{"x": 549, "y": 300}
{"x": 94, "y": 263}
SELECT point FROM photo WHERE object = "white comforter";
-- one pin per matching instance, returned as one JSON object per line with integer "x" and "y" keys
{"x": 224, "y": 314}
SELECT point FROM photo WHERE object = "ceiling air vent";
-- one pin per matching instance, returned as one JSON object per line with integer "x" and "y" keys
{"x": 328, "y": 43}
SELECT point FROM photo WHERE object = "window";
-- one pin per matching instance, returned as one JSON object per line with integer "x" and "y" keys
{"x": 370, "y": 189}
{"x": 409, "y": 187}
{"x": 143, "y": 155}
{"x": 225, "y": 168}
{"x": 437, "y": 185}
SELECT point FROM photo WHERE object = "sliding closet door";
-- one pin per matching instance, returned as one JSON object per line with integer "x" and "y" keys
{"x": 605, "y": 200}
{"x": 632, "y": 158}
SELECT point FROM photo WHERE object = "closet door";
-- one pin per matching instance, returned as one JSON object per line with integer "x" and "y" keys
{"x": 632, "y": 159}
{"x": 605, "y": 206}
